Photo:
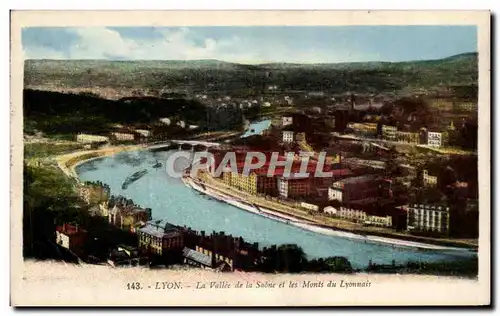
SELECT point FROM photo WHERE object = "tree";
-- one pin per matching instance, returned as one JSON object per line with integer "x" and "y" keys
{"x": 285, "y": 258}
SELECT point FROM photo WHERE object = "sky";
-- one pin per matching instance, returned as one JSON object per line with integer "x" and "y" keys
{"x": 255, "y": 44}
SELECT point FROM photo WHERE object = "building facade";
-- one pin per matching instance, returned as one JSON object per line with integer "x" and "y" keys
{"x": 434, "y": 139}
{"x": 363, "y": 129}
{"x": 359, "y": 216}
{"x": 389, "y": 132}
{"x": 87, "y": 138}
{"x": 428, "y": 218}
{"x": 429, "y": 181}
{"x": 408, "y": 137}
{"x": 158, "y": 238}
{"x": 287, "y": 136}
{"x": 354, "y": 188}
{"x": 123, "y": 136}
{"x": 292, "y": 187}
{"x": 128, "y": 217}
{"x": 286, "y": 120}
{"x": 71, "y": 237}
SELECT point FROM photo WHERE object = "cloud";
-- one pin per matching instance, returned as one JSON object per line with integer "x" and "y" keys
{"x": 172, "y": 44}
{"x": 179, "y": 44}
{"x": 105, "y": 43}
{"x": 249, "y": 44}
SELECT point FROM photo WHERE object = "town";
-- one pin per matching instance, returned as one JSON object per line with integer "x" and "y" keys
{"x": 398, "y": 166}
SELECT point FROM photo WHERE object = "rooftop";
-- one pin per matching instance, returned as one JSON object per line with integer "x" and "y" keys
{"x": 68, "y": 229}
{"x": 356, "y": 179}
{"x": 197, "y": 256}
{"x": 160, "y": 229}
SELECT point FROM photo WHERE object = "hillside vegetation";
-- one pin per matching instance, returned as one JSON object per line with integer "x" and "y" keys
{"x": 214, "y": 75}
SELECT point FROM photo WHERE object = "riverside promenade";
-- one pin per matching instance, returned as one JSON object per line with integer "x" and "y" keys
{"x": 321, "y": 220}
{"x": 68, "y": 162}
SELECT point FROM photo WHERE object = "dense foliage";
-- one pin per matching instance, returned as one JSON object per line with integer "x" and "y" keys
{"x": 212, "y": 75}
{"x": 58, "y": 113}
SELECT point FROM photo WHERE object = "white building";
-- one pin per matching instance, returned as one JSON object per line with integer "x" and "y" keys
{"x": 382, "y": 221}
{"x": 426, "y": 217}
{"x": 289, "y": 100}
{"x": 165, "y": 120}
{"x": 287, "y": 120}
{"x": 430, "y": 181}
{"x": 283, "y": 187}
{"x": 87, "y": 138}
{"x": 144, "y": 132}
{"x": 334, "y": 194}
{"x": 123, "y": 136}
{"x": 434, "y": 139}
{"x": 308, "y": 206}
{"x": 359, "y": 216}
{"x": 287, "y": 136}
{"x": 330, "y": 210}
{"x": 389, "y": 132}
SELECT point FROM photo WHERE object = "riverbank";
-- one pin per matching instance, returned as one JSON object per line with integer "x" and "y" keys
{"x": 337, "y": 227}
{"x": 68, "y": 162}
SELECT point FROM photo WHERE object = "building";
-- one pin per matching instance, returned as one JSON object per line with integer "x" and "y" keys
{"x": 278, "y": 184}
{"x": 144, "y": 132}
{"x": 220, "y": 252}
{"x": 434, "y": 139}
{"x": 430, "y": 181}
{"x": 206, "y": 258}
{"x": 165, "y": 121}
{"x": 293, "y": 187}
{"x": 128, "y": 217}
{"x": 71, "y": 237}
{"x": 363, "y": 129}
{"x": 428, "y": 218}
{"x": 389, "y": 132}
{"x": 300, "y": 137}
{"x": 409, "y": 170}
{"x": 94, "y": 193}
{"x": 355, "y": 162}
{"x": 310, "y": 207}
{"x": 351, "y": 214}
{"x": 125, "y": 255}
{"x": 288, "y": 136}
{"x": 246, "y": 183}
{"x": 353, "y": 188}
{"x": 160, "y": 238}
{"x": 88, "y": 138}
{"x": 330, "y": 210}
{"x": 359, "y": 216}
{"x": 120, "y": 136}
{"x": 286, "y": 120}
{"x": 381, "y": 221}
{"x": 407, "y": 137}
{"x": 465, "y": 106}
{"x": 197, "y": 258}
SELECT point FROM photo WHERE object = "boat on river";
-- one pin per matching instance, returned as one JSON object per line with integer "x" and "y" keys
{"x": 157, "y": 165}
{"x": 133, "y": 177}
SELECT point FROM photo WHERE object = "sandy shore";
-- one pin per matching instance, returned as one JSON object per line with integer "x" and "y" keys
{"x": 69, "y": 162}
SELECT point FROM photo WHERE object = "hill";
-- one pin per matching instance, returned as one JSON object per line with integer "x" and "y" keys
{"x": 214, "y": 75}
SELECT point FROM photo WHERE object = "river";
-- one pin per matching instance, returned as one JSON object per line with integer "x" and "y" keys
{"x": 170, "y": 199}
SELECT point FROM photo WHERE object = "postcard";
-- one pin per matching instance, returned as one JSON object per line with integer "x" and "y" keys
{"x": 244, "y": 158}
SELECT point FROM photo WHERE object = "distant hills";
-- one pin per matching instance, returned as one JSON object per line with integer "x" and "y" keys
{"x": 215, "y": 75}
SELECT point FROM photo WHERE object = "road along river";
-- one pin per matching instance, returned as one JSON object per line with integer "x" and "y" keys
{"x": 170, "y": 199}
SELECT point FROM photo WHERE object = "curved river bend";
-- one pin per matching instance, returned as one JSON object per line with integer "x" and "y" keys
{"x": 170, "y": 199}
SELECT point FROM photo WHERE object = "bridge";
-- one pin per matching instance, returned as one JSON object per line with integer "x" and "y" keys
{"x": 193, "y": 143}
